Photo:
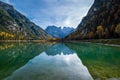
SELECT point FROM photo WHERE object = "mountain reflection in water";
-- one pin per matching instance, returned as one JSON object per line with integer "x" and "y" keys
{"x": 57, "y": 62}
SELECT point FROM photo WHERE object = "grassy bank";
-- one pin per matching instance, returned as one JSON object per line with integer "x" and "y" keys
{"x": 104, "y": 41}
{"x": 23, "y": 40}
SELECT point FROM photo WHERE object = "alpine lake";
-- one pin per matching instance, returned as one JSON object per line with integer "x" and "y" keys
{"x": 59, "y": 61}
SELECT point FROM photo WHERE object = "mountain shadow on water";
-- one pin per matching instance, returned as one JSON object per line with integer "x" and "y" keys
{"x": 102, "y": 61}
{"x": 50, "y": 66}
{"x": 58, "y": 49}
{"x": 15, "y": 55}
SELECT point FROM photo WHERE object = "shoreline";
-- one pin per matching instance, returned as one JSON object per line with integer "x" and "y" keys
{"x": 107, "y": 42}
{"x": 114, "y": 45}
{"x": 23, "y": 40}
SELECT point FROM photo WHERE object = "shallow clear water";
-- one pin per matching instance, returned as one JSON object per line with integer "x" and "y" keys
{"x": 69, "y": 61}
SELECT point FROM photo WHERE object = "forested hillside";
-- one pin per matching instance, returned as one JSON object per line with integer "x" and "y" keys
{"x": 14, "y": 25}
{"x": 101, "y": 22}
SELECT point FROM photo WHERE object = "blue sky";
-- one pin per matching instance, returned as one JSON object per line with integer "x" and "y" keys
{"x": 53, "y": 12}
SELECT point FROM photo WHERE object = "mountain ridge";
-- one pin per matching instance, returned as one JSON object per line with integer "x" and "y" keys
{"x": 102, "y": 21}
{"x": 17, "y": 25}
{"x": 58, "y": 32}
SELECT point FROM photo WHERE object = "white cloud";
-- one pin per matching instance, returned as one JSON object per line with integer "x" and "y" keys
{"x": 55, "y": 12}
{"x": 65, "y": 13}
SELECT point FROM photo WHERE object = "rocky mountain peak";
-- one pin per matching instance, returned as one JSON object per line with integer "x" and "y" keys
{"x": 59, "y": 32}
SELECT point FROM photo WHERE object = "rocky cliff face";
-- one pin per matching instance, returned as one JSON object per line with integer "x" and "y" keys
{"x": 14, "y": 25}
{"x": 102, "y": 21}
{"x": 58, "y": 32}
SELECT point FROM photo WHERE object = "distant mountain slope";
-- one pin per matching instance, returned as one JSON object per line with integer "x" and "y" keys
{"x": 58, "y": 32}
{"x": 14, "y": 25}
{"x": 102, "y": 21}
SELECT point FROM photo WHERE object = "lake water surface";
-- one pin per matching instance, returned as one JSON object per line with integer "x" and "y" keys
{"x": 69, "y": 61}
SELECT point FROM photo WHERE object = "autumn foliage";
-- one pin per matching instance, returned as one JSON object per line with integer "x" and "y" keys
{"x": 5, "y": 35}
{"x": 102, "y": 23}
